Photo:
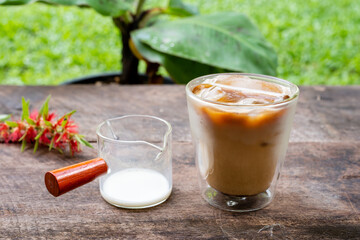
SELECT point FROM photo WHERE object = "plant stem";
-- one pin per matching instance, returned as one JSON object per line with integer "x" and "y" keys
{"x": 139, "y": 7}
{"x": 129, "y": 62}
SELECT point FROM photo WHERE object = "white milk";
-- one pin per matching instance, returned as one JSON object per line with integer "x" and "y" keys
{"x": 135, "y": 188}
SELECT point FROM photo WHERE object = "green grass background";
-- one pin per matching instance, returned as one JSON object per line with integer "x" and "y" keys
{"x": 318, "y": 41}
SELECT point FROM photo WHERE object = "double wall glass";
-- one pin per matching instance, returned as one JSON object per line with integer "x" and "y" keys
{"x": 240, "y": 148}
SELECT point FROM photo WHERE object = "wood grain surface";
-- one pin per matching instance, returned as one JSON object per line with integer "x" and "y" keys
{"x": 318, "y": 194}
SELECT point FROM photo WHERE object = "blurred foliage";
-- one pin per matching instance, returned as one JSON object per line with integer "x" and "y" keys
{"x": 205, "y": 44}
{"x": 179, "y": 39}
{"x": 318, "y": 42}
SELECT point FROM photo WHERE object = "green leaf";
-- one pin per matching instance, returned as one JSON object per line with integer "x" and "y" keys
{"x": 86, "y": 143}
{"x": 63, "y": 123}
{"x": 39, "y": 134}
{"x": 77, "y": 137}
{"x": 222, "y": 41}
{"x": 67, "y": 2}
{"x": 30, "y": 121}
{"x": 114, "y": 8}
{"x": 4, "y": 117}
{"x": 83, "y": 141}
{"x": 51, "y": 143}
{"x": 44, "y": 110}
{"x": 23, "y": 145}
{"x": 57, "y": 2}
{"x": 178, "y": 8}
{"x": 14, "y": 2}
{"x": 11, "y": 124}
{"x": 47, "y": 123}
{"x": 25, "y": 108}
{"x": 36, "y": 145}
{"x": 66, "y": 117}
{"x": 61, "y": 135}
{"x": 178, "y": 68}
{"x": 59, "y": 149}
{"x": 23, "y": 137}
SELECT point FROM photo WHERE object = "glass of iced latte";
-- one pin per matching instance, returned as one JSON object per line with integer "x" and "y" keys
{"x": 240, "y": 125}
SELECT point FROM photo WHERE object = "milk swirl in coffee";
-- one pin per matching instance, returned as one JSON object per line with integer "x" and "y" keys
{"x": 242, "y": 131}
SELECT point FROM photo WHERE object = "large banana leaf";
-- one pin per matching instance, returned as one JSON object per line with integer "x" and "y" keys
{"x": 14, "y": 2}
{"x": 66, "y": 2}
{"x": 177, "y": 7}
{"x": 180, "y": 69}
{"x": 114, "y": 8}
{"x": 205, "y": 44}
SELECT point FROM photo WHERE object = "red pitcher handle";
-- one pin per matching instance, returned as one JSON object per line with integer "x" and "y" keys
{"x": 65, "y": 179}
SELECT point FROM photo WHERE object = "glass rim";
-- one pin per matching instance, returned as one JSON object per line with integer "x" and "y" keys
{"x": 253, "y": 76}
{"x": 165, "y": 137}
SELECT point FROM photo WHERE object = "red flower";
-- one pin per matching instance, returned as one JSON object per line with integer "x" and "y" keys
{"x": 33, "y": 115}
{"x": 60, "y": 140}
{"x": 30, "y": 134}
{"x": 71, "y": 127}
{"x": 4, "y": 134}
{"x": 74, "y": 147}
{"x": 44, "y": 138}
{"x": 59, "y": 134}
{"x": 51, "y": 117}
{"x": 3, "y": 127}
{"x": 15, "y": 135}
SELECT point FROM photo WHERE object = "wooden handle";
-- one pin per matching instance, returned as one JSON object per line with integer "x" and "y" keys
{"x": 65, "y": 179}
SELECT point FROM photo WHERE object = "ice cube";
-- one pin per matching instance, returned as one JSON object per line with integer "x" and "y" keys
{"x": 249, "y": 101}
{"x": 213, "y": 93}
{"x": 240, "y": 90}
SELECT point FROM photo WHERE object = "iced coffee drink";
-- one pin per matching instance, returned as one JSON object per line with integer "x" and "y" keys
{"x": 240, "y": 125}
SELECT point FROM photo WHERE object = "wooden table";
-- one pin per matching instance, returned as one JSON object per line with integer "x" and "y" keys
{"x": 318, "y": 194}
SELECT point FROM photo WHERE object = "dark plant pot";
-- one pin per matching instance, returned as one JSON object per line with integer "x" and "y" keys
{"x": 106, "y": 78}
